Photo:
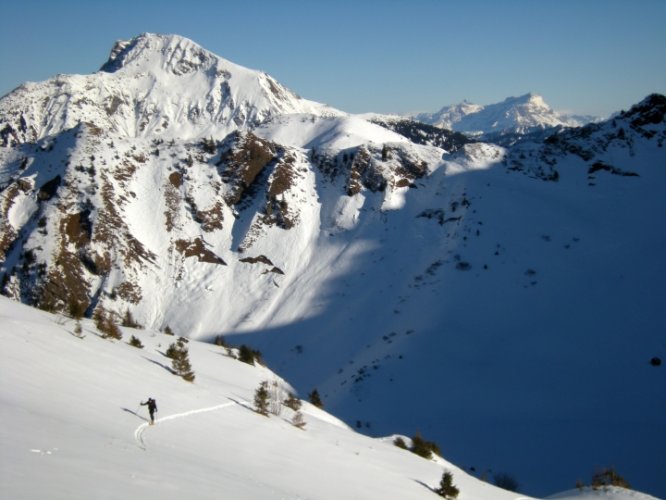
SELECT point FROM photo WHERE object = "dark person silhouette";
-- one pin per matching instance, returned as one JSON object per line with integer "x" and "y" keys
{"x": 152, "y": 408}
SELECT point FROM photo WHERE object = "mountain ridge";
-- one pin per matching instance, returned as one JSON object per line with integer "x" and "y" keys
{"x": 514, "y": 115}
{"x": 151, "y": 85}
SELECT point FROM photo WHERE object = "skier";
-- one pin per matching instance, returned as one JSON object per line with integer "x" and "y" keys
{"x": 152, "y": 408}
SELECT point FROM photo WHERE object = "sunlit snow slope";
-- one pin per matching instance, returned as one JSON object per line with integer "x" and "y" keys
{"x": 72, "y": 427}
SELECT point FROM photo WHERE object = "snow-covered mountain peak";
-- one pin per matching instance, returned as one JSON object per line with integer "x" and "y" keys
{"x": 522, "y": 114}
{"x": 164, "y": 85}
{"x": 173, "y": 54}
{"x": 176, "y": 53}
{"x": 529, "y": 98}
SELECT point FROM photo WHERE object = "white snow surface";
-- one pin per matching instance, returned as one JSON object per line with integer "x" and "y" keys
{"x": 514, "y": 114}
{"x": 72, "y": 427}
{"x": 601, "y": 493}
{"x": 158, "y": 86}
{"x": 311, "y": 131}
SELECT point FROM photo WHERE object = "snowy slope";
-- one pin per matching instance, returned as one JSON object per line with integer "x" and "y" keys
{"x": 523, "y": 284}
{"x": 605, "y": 493}
{"x": 309, "y": 131}
{"x": 491, "y": 265}
{"x": 520, "y": 115}
{"x": 73, "y": 428}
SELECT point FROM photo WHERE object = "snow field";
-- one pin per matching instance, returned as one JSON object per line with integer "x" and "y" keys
{"x": 73, "y": 427}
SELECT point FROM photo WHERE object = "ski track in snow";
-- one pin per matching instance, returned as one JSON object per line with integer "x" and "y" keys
{"x": 138, "y": 433}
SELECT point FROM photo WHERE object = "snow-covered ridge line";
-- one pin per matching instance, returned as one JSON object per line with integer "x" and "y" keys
{"x": 154, "y": 85}
{"x": 515, "y": 115}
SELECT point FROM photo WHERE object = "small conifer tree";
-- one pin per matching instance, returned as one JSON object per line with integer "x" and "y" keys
{"x": 172, "y": 351}
{"x": 76, "y": 309}
{"x": 129, "y": 321}
{"x": 261, "y": 399}
{"x": 292, "y": 402}
{"x": 424, "y": 448}
{"x": 249, "y": 355}
{"x": 135, "y": 342}
{"x": 181, "y": 361}
{"x": 106, "y": 326}
{"x": 315, "y": 399}
{"x": 446, "y": 487}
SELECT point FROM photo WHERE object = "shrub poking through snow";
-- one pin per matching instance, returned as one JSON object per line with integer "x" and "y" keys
{"x": 506, "y": 481}
{"x": 78, "y": 331}
{"x": 400, "y": 443}
{"x": 297, "y": 420}
{"x": 135, "y": 342}
{"x": 424, "y": 448}
{"x": 292, "y": 402}
{"x": 248, "y": 355}
{"x": 608, "y": 477}
{"x": 446, "y": 487}
{"x": 261, "y": 399}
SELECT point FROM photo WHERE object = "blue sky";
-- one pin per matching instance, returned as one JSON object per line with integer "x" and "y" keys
{"x": 587, "y": 56}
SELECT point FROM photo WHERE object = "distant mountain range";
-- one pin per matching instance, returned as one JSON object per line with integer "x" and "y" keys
{"x": 514, "y": 115}
{"x": 505, "y": 301}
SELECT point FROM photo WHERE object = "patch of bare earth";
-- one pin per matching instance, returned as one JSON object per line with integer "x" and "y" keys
{"x": 262, "y": 259}
{"x": 196, "y": 248}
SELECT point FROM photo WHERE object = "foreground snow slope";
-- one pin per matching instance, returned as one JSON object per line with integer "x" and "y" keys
{"x": 73, "y": 428}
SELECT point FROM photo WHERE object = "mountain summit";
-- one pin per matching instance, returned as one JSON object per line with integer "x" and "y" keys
{"x": 515, "y": 115}
{"x": 502, "y": 300}
{"x": 156, "y": 85}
